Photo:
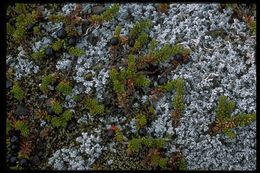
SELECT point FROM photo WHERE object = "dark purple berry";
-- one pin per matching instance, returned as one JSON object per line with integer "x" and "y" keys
{"x": 61, "y": 33}
{"x": 114, "y": 41}
{"x": 30, "y": 27}
{"x": 24, "y": 163}
{"x": 162, "y": 80}
{"x": 224, "y": 69}
{"x": 15, "y": 147}
{"x": 49, "y": 110}
{"x": 71, "y": 124}
{"x": 111, "y": 133}
{"x": 14, "y": 139}
{"x": 131, "y": 42}
{"x": 178, "y": 58}
{"x": 13, "y": 161}
{"x": 142, "y": 132}
{"x": 72, "y": 40}
{"x": 49, "y": 51}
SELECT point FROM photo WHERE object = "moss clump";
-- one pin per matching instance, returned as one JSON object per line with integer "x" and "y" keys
{"x": 36, "y": 30}
{"x": 17, "y": 92}
{"x": 152, "y": 46}
{"x": 19, "y": 34}
{"x": 118, "y": 87}
{"x": 154, "y": 160}
{"x": 168, "y": 86}
{"x": 179, "y": 85}
{"x": 140, "y": 41}
{"x": 76, "y": 98}
{"x": 9, "y": 29}
{"x": 164, "y": 53}
{"x": 158, "y": 143}
{"x": 178, "y": 104}
{"x": 67, "y": 115}
{"x": 57, "y": 45}
{"x": 244, "y": 119}
{"x": 155, "y": 57}
{"x": 64, "y": 87}
{"x": 119, "y": 79}
{"x": 38, "y": 55}
{"x": 55, "y": 18}
{"x": 77, "y": 52}
{"x": 182, "y": 163}
{"x": 141, "y": 120}
{"x": 58, "y": 122}
{"x": 154, "y": 156}
{"x": 62, "y": 120}
{"x": 134, "y": 145}
{"x": 20, "y": 8}
{"x": 107, "y": 15}
{"x": 142, "y": 81}
{"x": 131, "y": 68}
{"x": 23, "y": 19}
{"x": 56, "y": 107}
{"x": 139, "y": 27}
{"x": 22, "y": 127}
{"x": 8, "y": 126}
{"x": 147, "y": 141}
{"x": 70, "y": 30}
{"x": 180, "y": 49}
{"x": 151, "y": 110}
{"x": 125, "y": 81}
{"x": 229, "y": 133}
{"x": 47, "y": 80}
{"x": 252, "y": 26}
{"x": 225, "y": 122}
{"x": 178, "y": 101}
{"x": 94, "y": 107}
{"x": 163, "y": 162}
{"x": 118, "y": 135}
{"x": 117, "y": 31}
{"x": 150, "y": 142}
{"x": 224, "y": 108}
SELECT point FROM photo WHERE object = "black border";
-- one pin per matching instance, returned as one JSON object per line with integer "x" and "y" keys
{"x": 3, "y": 58}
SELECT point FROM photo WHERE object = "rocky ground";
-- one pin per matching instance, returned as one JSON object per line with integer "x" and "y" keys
{"x": 77, "y": 118}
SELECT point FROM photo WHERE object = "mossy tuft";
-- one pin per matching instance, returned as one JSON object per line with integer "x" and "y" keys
{"x": 64, "y": 87}
{"x": 17, "y": 92}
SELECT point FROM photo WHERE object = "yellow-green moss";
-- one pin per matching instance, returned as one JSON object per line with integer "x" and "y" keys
{"x": 117, "y": 31}
{"x": 22, "y": 127}
{"x": 141, "y": 120}
{"x": 107, "y": 15}
{"x": 94, "y": 107}
{"x": 57, "y": 45}
{"x": 17, "y": 92}
{"x": 77, "y": 52}
{"x": 134, "y": 145}
{"x": 47, "y": 80}
{"x": 139, "y": 27}
{"x": 64, "y": 87}
{"x": 56, "y": 107}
